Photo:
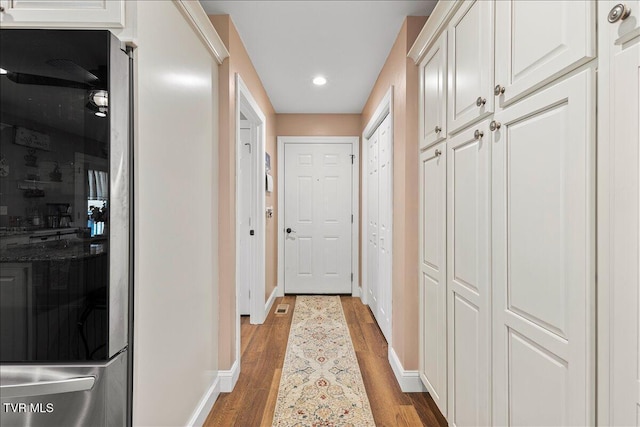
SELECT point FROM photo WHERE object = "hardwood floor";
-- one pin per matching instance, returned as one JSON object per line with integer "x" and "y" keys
{"x": 263, "y": 348}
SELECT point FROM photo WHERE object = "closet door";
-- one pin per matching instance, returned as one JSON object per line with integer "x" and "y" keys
{"x": 433, "y": 94}
{"x": 536, "y": 41}
{"x": 433, "y": 274}
{"x": 469, "y": 278}
{"x": 372, "y": 222}
{"x": 543, "y": 235}
{"x": 385, "y": 204}
{"x": 470, "y": 64}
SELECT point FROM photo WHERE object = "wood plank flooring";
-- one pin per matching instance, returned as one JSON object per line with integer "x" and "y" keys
{"x": 263, "y": 348}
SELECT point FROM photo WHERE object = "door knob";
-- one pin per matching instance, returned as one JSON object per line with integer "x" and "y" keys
{"x": 478, "y": 134}
{"x": 619, "y": 12}
{"x": 494, "y": 125}
{"x": 438, "y": 129}
{"x": 499, "y": 90}
{"x": 289, "y": 230}
{"x": 480, "y": 101}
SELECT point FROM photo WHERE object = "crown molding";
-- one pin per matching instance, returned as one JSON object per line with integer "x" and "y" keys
{"x": 199, "y": 21}
{"x": 435, "y": 25}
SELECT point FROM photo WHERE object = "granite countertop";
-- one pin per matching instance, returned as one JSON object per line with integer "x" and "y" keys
{"x": 59, "y": 250}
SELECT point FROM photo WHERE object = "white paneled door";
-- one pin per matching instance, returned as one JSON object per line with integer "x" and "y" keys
{"x": 468, "y": 276}
{"x": 433, "y": 99}
{"x": 379, "y": 229}
{"x": 543, "y": 257}
{"x": 317, "y": 218}
{"x": 246, "y": 208}
{"x": 433, "y": 274}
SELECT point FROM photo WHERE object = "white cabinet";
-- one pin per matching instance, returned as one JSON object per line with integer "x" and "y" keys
{"x": 432, "y": 281}
{"x": 619, "y": 216}
{"x": 469, "y": 275}
{"x": 60, "y": 14}
{"x": 470, "y": 64}
{"x": 433, "y": 94}
{"x": 536, "y": 43}
{"x": 543, "y": 256}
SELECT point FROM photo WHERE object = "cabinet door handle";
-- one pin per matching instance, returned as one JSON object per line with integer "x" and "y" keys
{"x": 478, "y": 134}
{"x": 480, "y": 101}
{"x": 438, "y": 129}
{"x": 619, "y": 12}
{"x": 499, "y": 90}
{"x": 494, "y": 125}
{"x": 438, "y": 153}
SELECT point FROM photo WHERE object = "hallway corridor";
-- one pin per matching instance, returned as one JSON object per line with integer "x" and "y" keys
{"x": 263, "y": 348}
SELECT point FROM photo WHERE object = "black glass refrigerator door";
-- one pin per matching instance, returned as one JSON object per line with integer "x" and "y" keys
{"x": 64, "y": 212}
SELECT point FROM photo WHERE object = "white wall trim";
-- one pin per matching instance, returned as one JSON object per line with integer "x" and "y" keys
{"x": 269, "y": 303}
{"x": 355, "y": 201}
{"x": 435, "y": 25}
{"x": 199, "y": 21}
{"x": 203, "y": 409}
{"x": 229, "y": 378}
{"x": 384, "y": 109}
{"x": 409, "y": 380}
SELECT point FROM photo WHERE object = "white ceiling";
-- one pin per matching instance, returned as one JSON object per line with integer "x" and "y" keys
{"x": 290, "y": 42}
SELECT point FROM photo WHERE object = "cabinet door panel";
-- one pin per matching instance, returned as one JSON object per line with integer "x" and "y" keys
{"x": 543, "y": 256}
{"x": 469, "y": 284}
{"x": 470, "y": 64}
{"x": 433, "y": 98}
{"x": 77, "y": 13}
{"x": 433, "y": 305}
{"x": 537, "y": 41}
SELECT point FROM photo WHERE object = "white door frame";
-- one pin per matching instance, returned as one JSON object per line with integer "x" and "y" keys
{"x": 355, "y": 226}
{"x": 249, "y": 107}
{"x": 384, "y": 109}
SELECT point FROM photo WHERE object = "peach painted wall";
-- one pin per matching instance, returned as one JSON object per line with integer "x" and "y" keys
{"x": 401, "y": 73}
{"x": 238, "y": 62}
{"x": 318, "y": 125}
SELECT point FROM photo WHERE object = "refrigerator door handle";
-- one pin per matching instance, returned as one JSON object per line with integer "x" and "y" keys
{"x": 43, "y": 388}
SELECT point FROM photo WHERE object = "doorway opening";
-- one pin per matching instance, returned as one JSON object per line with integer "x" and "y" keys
{"x": 250, "y": 208}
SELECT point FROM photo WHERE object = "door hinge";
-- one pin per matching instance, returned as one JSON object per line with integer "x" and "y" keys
{"x": 351, "y": 218}
{"x": 353, "y": 156}
{"x": 351, "y": 277}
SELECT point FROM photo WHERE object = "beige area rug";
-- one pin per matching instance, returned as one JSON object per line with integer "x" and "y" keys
{"x": 321, "y": 383}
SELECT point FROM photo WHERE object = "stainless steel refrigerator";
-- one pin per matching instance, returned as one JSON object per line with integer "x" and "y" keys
{"x": 64, "y": 228}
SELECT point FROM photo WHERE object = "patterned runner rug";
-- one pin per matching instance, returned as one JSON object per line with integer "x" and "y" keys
{"x": 321, "y": 383}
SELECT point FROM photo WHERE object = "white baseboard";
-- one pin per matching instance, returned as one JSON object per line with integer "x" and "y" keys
{"x": 269, "y": 303}
{"x": 229, "y": 378}
{"x": 280, "y": 290}
{"x": 409, "y": 380}
{"x": 355, "y": 292}
{"x": 203, "y": 409}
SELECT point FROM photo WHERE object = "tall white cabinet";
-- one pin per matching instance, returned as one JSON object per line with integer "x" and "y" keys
{"x": 519, "y": 212}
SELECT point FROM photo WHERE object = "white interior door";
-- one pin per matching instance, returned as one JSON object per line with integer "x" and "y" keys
{"x": 469, "y": 277}
{"x": 245, "y": 209}
{"x": 317, "y": 217}
{"x": 622, "y": 248}
{"x": 372, "y": 222}
{"x": 385, "y": 206}
{"x": 433, "y": 274}
{"x": 543, "y": 257}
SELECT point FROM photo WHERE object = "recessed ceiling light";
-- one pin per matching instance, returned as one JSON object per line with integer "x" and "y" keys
{"x": 319, "y": 81}
{"x": 100, "y": 114}
{"x": 3, "y": 71}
